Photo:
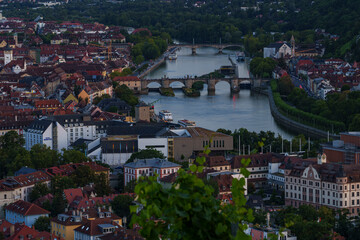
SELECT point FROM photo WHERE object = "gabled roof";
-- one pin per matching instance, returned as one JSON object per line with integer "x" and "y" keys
{"x": 25, "y": 208}
{"x": 278, "y": 45}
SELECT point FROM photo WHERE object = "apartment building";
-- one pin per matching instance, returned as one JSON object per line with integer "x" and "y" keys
{"x": 149, "y": 167}
{"x": 319, "y": 183}
{"x": 20, "y": 187}
{"x": 46, "y": 132}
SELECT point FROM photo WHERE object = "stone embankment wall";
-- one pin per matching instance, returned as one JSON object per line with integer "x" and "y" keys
{"x": 296, "y": 126}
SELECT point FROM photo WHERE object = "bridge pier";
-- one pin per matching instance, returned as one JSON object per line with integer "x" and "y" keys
{"x": 234, "y": 86}
{"x": 211, "y": 87}
{"x": 165, "y": 83}
{"x": 144, "y": 88}
{"x": 193, "y": 50}
{"x": 189, "y": 83}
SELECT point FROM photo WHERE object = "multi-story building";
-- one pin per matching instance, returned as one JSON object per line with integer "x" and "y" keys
{"x": 94, "y": 229}
{"x": 193, "y": 140}
{"x": 68, "y": 225}
{"x": 149, "y": 167}
{"x": 46, "y": 132}
{"x": 131, "y": 82}
{"x": 24, "y": 212}
{"x": 76, "y": 126}
{"x": 20, "y": 187}
{"x": 218, "y": 163}
{"x": 258, "y": 168}
{"x": 346, "y": 150}
{"x": 63, "y": 225}
{"x": 319, "y": 183}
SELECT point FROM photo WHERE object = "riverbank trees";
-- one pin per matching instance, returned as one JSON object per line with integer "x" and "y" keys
{"x": 269, "y": 142}
{"x": 339, "y": 112}
{"x": 262, "y": 67}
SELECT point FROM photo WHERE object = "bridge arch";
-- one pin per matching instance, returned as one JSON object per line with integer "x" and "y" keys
{"x": 233, "y": 46}
{"x": 153, "y": 84}
{"x": 177, "y": 84}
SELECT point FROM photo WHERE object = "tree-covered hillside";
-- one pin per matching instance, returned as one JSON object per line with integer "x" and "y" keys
{"x": 229, "y": 20}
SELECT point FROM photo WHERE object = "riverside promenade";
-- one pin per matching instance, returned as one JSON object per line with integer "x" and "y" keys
{"x": 296, "y": 126}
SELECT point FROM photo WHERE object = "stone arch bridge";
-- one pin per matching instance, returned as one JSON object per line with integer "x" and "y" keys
{"x": 220, "y": 47}
{"x": 211, "y": 82}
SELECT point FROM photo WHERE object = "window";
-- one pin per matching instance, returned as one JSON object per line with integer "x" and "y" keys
{"x": 5, "y": 196}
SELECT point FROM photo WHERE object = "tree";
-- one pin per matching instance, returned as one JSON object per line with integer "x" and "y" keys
{"x": 188, "y": 209}
{"x": 145, "y": 154}
{"x": 83, "y": 175}
{"x": 120, "y": 186}
{"x": 212, "y": 183}
{"x": 102, "y": 187}
{"x": 355, "y": 123}
{"x": 43, "y": 156}
{"x": 42, "y": 224}
{"x": 121, "y": 205}
{"x": 39, "y": 190}
{"x": 59, "y": 183}
{"x": 345, "y": 87}
{"x": 11, "y": 140}
{"x": 74, "y": 156}
{"x": 58, "y": 204}
{"x": 130, "y": 186}
{"x": 259, "y": 217}
{"x": 285, "y": 85}
{"x": 262, "y": 67}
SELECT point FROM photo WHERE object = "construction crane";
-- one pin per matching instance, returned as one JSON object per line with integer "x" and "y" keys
{"x": 152, "y": 103}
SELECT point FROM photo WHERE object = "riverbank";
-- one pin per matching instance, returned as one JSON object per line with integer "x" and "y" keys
{"x": 157, "y": 62}
{"x": 292, "y": 125}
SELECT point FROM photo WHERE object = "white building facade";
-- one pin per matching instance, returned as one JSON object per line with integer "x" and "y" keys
{"x": 46, "y": 132}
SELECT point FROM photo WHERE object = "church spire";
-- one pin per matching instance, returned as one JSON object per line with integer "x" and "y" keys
{"x": 292, "y": 46}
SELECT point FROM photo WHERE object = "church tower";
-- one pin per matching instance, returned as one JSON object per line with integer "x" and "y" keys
{"x": 8, "y": 54}
{"x": 292, "y": 46}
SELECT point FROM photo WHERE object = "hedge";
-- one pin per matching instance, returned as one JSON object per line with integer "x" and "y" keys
{"x": 305, "y": 117}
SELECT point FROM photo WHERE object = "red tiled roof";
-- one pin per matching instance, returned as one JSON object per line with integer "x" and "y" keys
{"x": 20, "y": 229}
{"x": 26, "y": 208}
{"x": 71, "y": 194}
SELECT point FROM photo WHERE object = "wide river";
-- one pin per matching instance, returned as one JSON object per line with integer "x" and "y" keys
{"x": 243, "y": 110}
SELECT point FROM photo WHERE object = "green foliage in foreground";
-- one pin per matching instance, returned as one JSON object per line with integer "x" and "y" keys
{"x": 188, "y": 210}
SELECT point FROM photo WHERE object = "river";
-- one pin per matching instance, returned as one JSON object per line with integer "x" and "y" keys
{"x": 223, "y": 110}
